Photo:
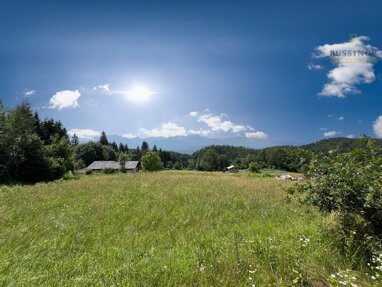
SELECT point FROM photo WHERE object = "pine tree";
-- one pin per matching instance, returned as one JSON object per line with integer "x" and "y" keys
{"x": 155, "y": 148}
{"x": 75, "y": 140}
{"x": 114, "y": 146}
{"x": 145, "y": 147}
{"x": 103, "y": 139}
{"x": 121, "y": 147}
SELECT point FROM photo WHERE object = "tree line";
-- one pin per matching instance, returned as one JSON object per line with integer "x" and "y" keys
{"x": 34, "y": 150}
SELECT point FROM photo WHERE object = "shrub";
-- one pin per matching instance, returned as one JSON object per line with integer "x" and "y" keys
{"x": 151, "y": 162}
{"x": 68, "y": 175}
{"x": 108, "y": 170}
{"x": 350, "y": 187}
{"x": 254, "y": 167}
{"x": 88, "y": 172}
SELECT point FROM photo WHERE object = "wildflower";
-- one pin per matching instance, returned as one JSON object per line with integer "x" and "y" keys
{"x": 202, "y": 267}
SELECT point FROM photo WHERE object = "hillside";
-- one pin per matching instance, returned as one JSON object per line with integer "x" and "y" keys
{"x": 340, "y": 144}
{"x": 291, "y": 158}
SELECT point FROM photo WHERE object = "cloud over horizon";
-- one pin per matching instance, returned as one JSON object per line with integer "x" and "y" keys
{"x": 257, "y": 135}
{"x": 85, "y": 134}
{"x": 377, "y": 127}
{"x": 167, "y": 130}
{"x": 330, "y": 134}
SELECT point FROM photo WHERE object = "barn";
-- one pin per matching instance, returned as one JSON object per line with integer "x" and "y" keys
{"x": 231, "y": 169}
{"x": 131, "y": 166}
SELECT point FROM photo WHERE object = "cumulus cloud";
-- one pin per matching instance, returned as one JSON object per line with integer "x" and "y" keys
{"x": 86, "y": 134}
{"x": 350, "y": 136}
{"x": 354, "y": 62}
{"x": 377, "y": 127}
{"x": 29, "y": 93}
{"x": 256, "y": 135}
{"x": 64, "y": 99}
{"x": 341, "y": 118}
{"x": 167, "y": 130}
{"x": 200, "y": 132}
{"x": 217, "y": 123}
{"x": 220, "y": 123}
{"x": 314, "y": 67}
{"x": 330, "y": 134}
{"x": 129, "y": 136}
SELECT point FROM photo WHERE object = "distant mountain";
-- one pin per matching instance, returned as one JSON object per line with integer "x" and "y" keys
{"x": 188, "y": 144}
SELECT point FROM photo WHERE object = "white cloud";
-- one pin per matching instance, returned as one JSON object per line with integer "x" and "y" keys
{"x": 341, "y": 118}
{"x": 330, "y": 134}
{"x": 215, "y": 123}
{"x": 218, "y": 124}
{"x": 29, "y": 93}
{"x": 256, "y": 135}
{"x": 129, "y": 136}
{"x": 104, "y": 88}
{"x": 350, "y": 136}
{"x": 323, "y": 129}
{"x": 64, "y": 99}
{"x": 377, "y": 127}
{"x": 167, "y": 130}
{"x": 352, "y": 68}
{"x": 199, "y": 132}
{"x": 86, "y": 134}
{"x": 314, "y": 67}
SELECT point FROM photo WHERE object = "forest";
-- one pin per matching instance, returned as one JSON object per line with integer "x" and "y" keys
{"x": 32, "y": 150}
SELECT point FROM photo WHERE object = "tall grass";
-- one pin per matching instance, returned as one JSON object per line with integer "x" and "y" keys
{"x": 162, "y": 229}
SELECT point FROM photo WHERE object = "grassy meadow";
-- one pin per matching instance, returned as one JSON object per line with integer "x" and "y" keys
{"x": 171, "y": 228}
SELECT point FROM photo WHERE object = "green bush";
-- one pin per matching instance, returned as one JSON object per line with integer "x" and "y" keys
{"x": 108, "y": 170}
{"x": 151, "y": 162}
{"x": 350, "y": 187}
{"x": 254, "y": 167}
{"x": 68, "y": 175}
{"x": 88, "y": 172}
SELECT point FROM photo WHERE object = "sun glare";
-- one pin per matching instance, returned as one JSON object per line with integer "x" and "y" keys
{"x": 139, "y": 94}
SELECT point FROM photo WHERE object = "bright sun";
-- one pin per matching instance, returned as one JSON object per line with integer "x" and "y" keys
{"x": 139, "y": 94}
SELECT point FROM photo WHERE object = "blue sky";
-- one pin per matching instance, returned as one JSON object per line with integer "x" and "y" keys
{"x": 260, "y": 70}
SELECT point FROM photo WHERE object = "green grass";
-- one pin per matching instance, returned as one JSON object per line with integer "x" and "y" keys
{"x": 162, "y": 229}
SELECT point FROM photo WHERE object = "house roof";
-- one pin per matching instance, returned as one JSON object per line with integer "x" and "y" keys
{"x": 112, "y": 164}
{"x": 131, "y": 164}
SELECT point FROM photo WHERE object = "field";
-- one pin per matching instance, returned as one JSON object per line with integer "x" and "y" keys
{"x": 162, "y": 229}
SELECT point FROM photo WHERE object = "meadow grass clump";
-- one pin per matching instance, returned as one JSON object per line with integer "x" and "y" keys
{"x": 169, "y": 228}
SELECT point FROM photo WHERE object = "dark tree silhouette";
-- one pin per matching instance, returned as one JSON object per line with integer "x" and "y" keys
{"x": 75, "y": 140}
{"x": 103, "y": 139}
